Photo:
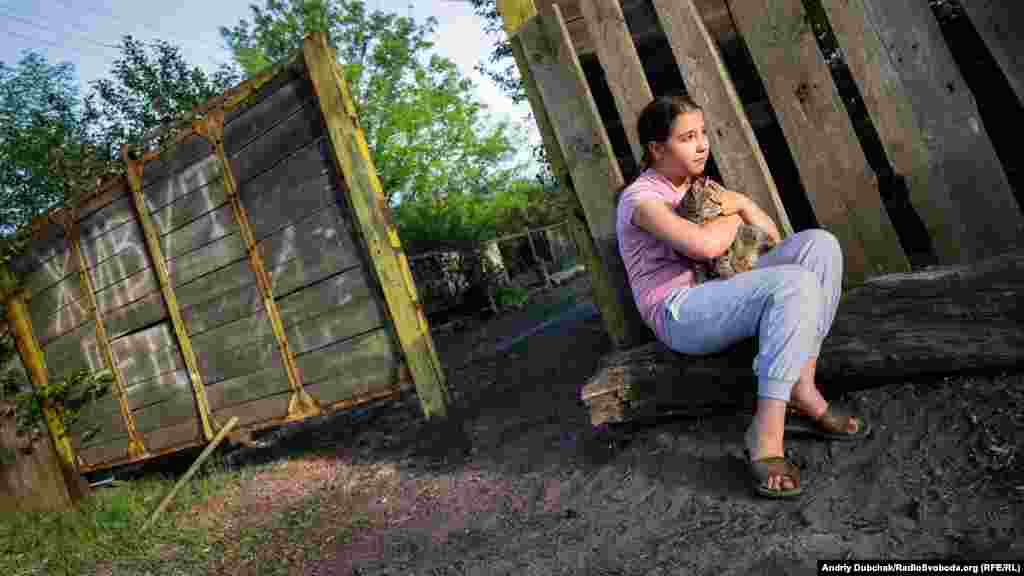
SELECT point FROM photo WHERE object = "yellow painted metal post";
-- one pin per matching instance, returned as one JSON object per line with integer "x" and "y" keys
{"x": 32, "y": 358}
{"x": 160, "y": 265}
{"x": 353, "y": 160}
{"x": 136, "y": 448}
{"x": 301, "y": 405}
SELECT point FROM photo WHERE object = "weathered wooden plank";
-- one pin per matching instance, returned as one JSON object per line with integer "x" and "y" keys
{"x": 266, "y": 382}
{"x": 551, "y": 63}
{"x": 73, "y": 350}
{"x": 353, "y": 163}
{"x": 269, "y": 85}
{"x": 355, "y": 367}
{"x": 192, "y": 178}
{"x": 137, "y": 368}
{"x": 301, "y": 404}
{"x": 99, "y": 413}
{"x": 114, "y": 451}
{"x": 269, "y": 408}
{"x": 295, "y": 188}
{"x": 158, "y": 389}
{"x": 91, "y": 203}
{"x": 135, "y": 447}
{"x": 206, "y": 259}
{"x": 216, "y": 364}
{"x": 102, "y": 427}
{"x": 62, "y": 321}
{"x": 48, "y": 301}
{"x": 190, "y": 207}
{"x": 333, "y": 325}
{"x": 216, "y": 283}
{"x": 737, "y": 152}
{"x": 147, "y": 353}
{"x": 298, "y": 130}
{"x": 223, "y": 309}
{"x": 49, "y": 242}
{"x": 606, "y": 26}
{"x": 298, "y": 272}
{"x": 224, "y": 336}
{"x": 119, "y": 266}
{"x": 348, "y": 289}
{"x": 99, "y": 248}
{"x": 48, "y": 273}
{"x": 322, "y": 235}
{"x": 891, "y": 108}
{"x": 998, "y": 24}
{"x": 839, "y": 182}
{"x": 963, "y": 168}
{"x": 240, "y": 130}
{"x": 183, "y": 353}
{"x": 132, "y": 288}
{"x": 201, "y": 231}
{"x": 106, "y": 219}
{"x": 174, "y": 410}
{"x": 147, "y": 310}
{"x": 164, "y": 439}
{"x": 175, "y": 160}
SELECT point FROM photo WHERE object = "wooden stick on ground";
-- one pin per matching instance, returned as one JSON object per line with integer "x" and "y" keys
{"x": 192, "y": 470}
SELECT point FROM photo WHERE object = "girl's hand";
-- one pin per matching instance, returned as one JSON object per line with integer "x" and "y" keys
{"x": 729, "y": 201}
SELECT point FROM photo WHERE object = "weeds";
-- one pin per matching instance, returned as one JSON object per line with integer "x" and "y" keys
{"x": 103, "y": 535}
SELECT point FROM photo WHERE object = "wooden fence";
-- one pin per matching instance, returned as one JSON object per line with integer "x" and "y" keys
{"x": 757, "y": 67}
{"x": 249, "y": 270}
{"x": 446, "y": 280}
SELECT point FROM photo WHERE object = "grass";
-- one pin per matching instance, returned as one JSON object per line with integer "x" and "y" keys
{"x": 103, "y": 535}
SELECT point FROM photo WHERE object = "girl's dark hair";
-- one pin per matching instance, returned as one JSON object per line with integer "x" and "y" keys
{"x": 655, "y": 125}
{"x": 655, "y": 121}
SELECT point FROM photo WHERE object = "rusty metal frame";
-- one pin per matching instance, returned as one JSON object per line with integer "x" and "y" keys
{"x": 136, "y": 447}
{"x": 301, "y": 405}
{"x": 135, "y": 168}
{"x": 402, "y": 383}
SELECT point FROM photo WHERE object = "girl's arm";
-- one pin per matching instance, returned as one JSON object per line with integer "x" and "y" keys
{"x": 748, "y": 210}
{"x": 754, "y": 216}
{"x": 695, "y": 241}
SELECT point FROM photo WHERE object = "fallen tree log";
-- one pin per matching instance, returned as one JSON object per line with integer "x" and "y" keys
{"x": 894, "y": 327}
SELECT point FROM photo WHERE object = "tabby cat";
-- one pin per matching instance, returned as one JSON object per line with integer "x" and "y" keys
{"x": 701, "y": 204}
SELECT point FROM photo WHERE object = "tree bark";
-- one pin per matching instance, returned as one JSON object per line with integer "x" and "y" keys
{"x": 891, "y": 328}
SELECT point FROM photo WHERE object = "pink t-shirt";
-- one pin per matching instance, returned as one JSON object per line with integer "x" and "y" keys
{"x": 654, "y": 268}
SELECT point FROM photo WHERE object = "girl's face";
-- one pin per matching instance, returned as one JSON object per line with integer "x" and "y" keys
{"x": 685, "y": 153}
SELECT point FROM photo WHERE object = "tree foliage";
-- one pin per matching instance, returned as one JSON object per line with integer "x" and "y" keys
{"x": 427, "y": 132}
{"x": 54, "y": 144}
{"x": 149, "y": 86}
{"x": 463, "y": 220}
{"x": 39, "y": 113}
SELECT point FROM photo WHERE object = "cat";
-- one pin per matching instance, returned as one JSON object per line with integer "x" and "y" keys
{"x": 701, "y": 204}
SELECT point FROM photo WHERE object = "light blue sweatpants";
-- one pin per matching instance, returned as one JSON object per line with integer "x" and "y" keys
{"x": 789, "y": 301}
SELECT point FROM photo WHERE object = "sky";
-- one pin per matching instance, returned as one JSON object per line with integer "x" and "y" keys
{"x": 86, "y": 32}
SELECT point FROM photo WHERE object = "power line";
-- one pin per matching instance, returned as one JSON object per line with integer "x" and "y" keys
{"x": 42, "y": 41}
{"x": 47, "y": 28}
{"x": 158, "y": 33}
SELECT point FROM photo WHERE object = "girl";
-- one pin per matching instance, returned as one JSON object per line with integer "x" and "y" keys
{"x": 788, "y": 301}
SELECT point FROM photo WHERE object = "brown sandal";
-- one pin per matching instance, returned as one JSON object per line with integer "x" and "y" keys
{"x": 832, "y": 425}
{"x": 773, "y": 466}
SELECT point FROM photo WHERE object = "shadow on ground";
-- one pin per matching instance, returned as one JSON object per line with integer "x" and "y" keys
{"x": 529, "y": 488}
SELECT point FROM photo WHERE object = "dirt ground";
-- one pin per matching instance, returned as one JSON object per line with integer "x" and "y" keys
{"x": 539, "y": 492}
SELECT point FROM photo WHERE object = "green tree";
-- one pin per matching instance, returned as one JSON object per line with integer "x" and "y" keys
{"x": 425, "y": 128}
{"x": 149, "y": 86}
{"x": 39, "y": 114}
{"x": 55, "y": 145}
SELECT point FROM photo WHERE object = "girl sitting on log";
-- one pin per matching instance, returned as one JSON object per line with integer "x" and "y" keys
{"x": 788, "y": 300}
